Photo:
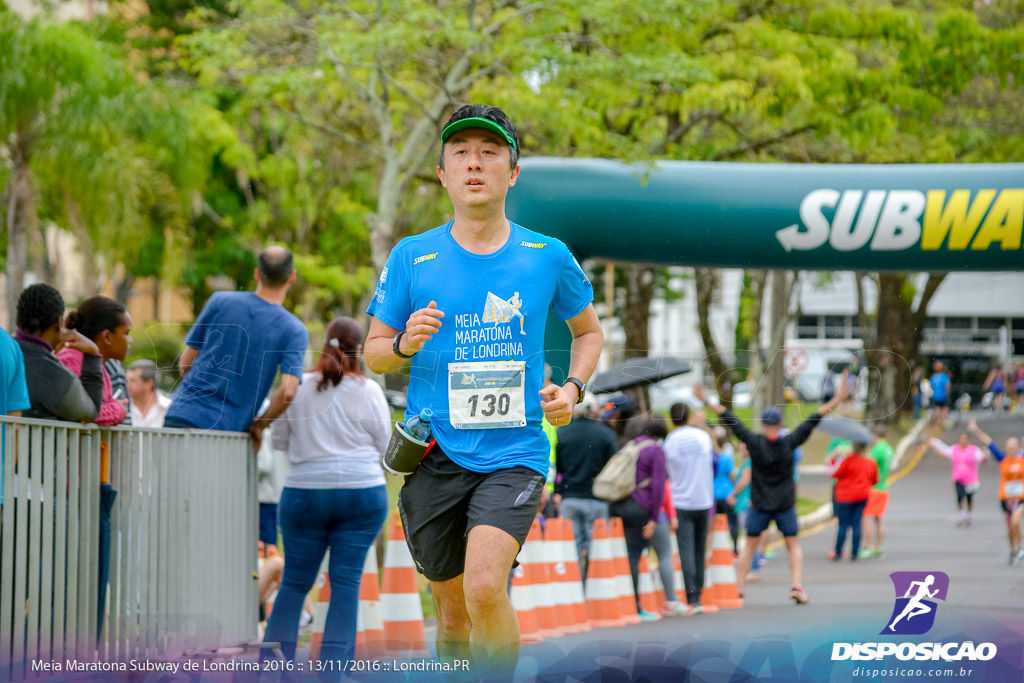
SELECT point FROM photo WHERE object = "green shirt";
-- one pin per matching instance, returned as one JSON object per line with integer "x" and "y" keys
{"x": 837, "y": 442}
{"x": 550, "y": 431}
{"x": 883, "y": 454}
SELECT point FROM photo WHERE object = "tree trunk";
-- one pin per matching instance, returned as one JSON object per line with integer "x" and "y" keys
{"x": 86, "y": 249}
{"x": 782, "y": 289}
{"x": 758, "y": 282}
{"x": 706, "y": 281}
{"x": 636, "y": 317}
{"x": 892, "y": 342}
{"x": 20, "y": 220}
{"x": 382, "y": 238}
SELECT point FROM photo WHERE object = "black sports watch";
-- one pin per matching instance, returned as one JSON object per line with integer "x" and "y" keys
{"x": 580, "y": 384}
{"x": 397, "y": 344}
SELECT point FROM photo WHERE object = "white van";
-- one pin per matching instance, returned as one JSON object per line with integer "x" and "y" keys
{"x": 811, "y": 361}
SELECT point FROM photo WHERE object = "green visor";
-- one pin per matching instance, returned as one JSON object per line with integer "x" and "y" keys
{"x": 477, "y": 122}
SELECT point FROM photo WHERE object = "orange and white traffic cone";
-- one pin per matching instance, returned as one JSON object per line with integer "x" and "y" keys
{"x": 369, "y": 625}
{"x": 623, "y": 577}
{"x": 540, "y": 578}
{"x": 645, "y": 587}
{"x": 571, "y": 585}
{"x": 722, "y": 567}
{"x": 523, "y": 603}
{"x": 601, "y": 589}
{"x": 323, "y": 603}
{"x": 401, "y": 609}
{"x": 558, "y": 573}
{"x": 708, "y": 594}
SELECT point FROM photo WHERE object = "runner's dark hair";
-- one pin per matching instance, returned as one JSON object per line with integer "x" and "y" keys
{"x": 485, "y": 111}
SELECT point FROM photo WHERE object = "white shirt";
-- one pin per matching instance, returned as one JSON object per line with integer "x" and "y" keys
{"x": 156, "y": 414}
{"x": 334, "y": 438}
{"x": 689, "y": 459}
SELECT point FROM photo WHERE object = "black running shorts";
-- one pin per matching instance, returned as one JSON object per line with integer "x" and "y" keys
{"x": 441, "y": 501}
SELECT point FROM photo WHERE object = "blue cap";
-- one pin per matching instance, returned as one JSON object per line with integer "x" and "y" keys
{"x": 771, "y": 417}
{"x": 618, "y": 403}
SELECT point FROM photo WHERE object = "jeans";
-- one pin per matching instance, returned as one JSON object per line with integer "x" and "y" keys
{"x": 346, "y": 521}
{"x": 849, "y": 515}
{"x": 692, "y": 537}
{"x": 582, "y": 512}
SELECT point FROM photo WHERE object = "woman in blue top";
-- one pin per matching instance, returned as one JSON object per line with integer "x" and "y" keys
{"x": 724, "y": 478}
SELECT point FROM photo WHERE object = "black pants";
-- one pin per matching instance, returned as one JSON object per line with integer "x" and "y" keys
{"x": 692, "y": 536}
{"x": 634, "y": 517}
{"x": 723, "y": 508}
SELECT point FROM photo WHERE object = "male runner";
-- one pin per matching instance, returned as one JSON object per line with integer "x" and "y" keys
{"x": 469, "y": 505}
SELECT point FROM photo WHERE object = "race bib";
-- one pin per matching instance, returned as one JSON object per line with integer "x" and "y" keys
{"x": 1014, "y": 489}
{"x": 487, "y": 395}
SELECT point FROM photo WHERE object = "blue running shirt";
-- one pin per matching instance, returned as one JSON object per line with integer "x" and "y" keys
{"x": 487, "y": 413}
{"x": 940, "y": 386}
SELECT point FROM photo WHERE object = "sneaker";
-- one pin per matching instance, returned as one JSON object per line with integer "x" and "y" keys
{"x": 753, "y": 577}
{"x": 673, "y": 609}
{"x": 835, "y": 557}
{"x": 696, "y": 609}
{"x": 866, "y": 554}
{"x": 648, "y": 616}
{"x": 1013, "y": 558}
{"x": 1020, "y": 555}
{"x": 799, "y": 595}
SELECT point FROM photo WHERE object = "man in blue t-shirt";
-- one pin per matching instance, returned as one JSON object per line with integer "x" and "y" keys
{"x": 234, "y": 350}
{"x": 940, "y": 381}
{"x": 13, "y": 390}
{"x": 469, "y": 505}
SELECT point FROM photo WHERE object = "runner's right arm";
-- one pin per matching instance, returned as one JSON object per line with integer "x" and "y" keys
{"x": 379, "y": 347}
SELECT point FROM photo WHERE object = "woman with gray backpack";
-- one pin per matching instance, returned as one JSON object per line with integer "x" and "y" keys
{"x": 640, "y": 508}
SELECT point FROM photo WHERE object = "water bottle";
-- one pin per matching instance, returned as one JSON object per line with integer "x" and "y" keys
{"x": 419, "y": 426}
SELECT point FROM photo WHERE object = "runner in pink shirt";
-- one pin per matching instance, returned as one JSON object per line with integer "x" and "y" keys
{"x": 965, "y": 458}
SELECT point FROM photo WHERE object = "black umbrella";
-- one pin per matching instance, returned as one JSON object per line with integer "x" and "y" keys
{"x": 846, "y": 429}
{"x": 638, "y": 371}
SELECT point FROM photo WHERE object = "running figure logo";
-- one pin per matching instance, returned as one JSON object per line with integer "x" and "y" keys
{"x": 498, "y": 310}
{"x": 914, "y": 612}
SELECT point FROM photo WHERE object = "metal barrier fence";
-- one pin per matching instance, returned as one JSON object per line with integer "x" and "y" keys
{"x": 182, "y": 543}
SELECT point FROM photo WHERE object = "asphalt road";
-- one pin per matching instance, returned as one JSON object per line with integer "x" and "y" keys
{"x": 850, "y": 601}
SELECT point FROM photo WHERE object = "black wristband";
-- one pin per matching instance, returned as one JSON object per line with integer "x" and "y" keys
{"x": 396, "y": 346}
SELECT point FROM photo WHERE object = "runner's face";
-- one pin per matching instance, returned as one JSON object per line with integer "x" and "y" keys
{"x": 476, "y": 169}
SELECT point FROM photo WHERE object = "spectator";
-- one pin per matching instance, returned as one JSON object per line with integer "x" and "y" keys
{"x": 13, "y": 390}
{"x": 689, "y": 459}
{"x": 772, "y": 489}
{"x": 639, "y": 512}
{"x": 55, "y": 392}
{"x": 725, "y": 477}
{"x": 148, "y": 404}
{"x": 233, "y": 351}
{"x": 108, "y": 325}
{"x": 271, "y": 466}
{"x": 119, "y": 387}
{"x": 334, "y": 497}
{"x": 917, "y": 396}
{"x": 854, "y": 476}
{"x": 878, "y": 500}
{"x": 584, "y": 447}
{"x": 617, "y": 413}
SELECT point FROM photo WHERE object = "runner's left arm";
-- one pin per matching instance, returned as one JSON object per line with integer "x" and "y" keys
{"x": 587, "y": 339}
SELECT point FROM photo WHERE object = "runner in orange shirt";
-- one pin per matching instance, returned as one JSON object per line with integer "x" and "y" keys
{"x": 1011, "y": 487}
